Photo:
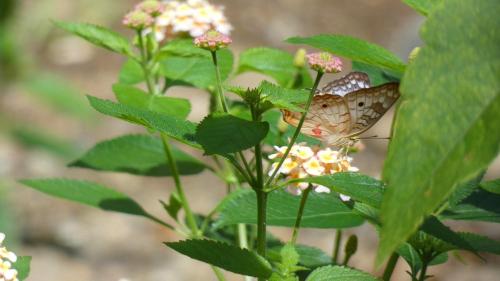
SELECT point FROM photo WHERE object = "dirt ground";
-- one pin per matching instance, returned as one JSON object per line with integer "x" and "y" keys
{"x": 72, "y": 242}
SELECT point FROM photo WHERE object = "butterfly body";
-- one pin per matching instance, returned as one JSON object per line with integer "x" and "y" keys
{"x": 345, "y": 108}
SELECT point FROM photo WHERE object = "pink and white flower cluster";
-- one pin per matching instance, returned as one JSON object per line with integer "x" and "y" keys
{"x": 192, "y": 18}
{"x": 304, "y": 161}
{"x": 7, "y": 273}
{"x": 324, "y": 62}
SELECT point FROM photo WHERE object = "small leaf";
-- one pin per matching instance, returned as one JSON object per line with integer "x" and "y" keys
{"x": 437, "y": 229}
{"x": 139, "y": 155}
{"x": 424, "y": 7}
{"x": 134, "y": 97}
{"x": 354, "y": 49}
{"x": 465, "y": 189}
{"x": 283, "y": 98}
{"x": 98, "y": 35}
{"x": 87, "y": 193}
{"x": 377, "y": 75}
{"x": 321, "y": 211}
{"x": 23, "y": 267}
{"x": 223, "y": 134}
{"x": 275, "y": 63}
{"x": 131, "y": 73}
{"x": 491, "y": 186}
{"x": 481, "y": 243}
{"x": 176, "y": 128}
{"x": 359, "y": 187}
{"x": 329, "y": 273}
{"x": 225, "y": 256}
{"x": 481, "y": 205}
{"x": 174, "y": 205}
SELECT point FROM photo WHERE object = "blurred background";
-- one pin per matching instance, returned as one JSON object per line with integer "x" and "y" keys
{"x": 45, "y": 122}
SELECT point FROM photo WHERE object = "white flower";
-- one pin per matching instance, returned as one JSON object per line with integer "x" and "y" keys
{"x": 281, "y": 151}
{"x": 344, "y": 197}
{"x": 182, "y": 24}
{"x": 313, "y": 167}
{"x": 304, "y": 152}
{"x": 321, "y": 189}
{"x": 2, "y": 237}
{"x": 273, "y": 168}
{"x": 7, "y": 273}
{"x": 328, "y": 156}
{"x": 288, "y": 166}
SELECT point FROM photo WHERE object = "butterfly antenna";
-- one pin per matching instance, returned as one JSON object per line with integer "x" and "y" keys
{"x": 375, "y": 138}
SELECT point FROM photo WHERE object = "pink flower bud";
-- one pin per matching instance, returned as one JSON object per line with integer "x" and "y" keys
{"x": 137, "y": 20}
{"x": 212, "y": 40}
{"x": 324, "y": 62}
{"x": 151, "y": 7}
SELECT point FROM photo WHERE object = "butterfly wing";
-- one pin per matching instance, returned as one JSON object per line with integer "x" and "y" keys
{"x": 328, "y": 118}
{"x": 366, "y": 106}
{"x": 351, "y": 82}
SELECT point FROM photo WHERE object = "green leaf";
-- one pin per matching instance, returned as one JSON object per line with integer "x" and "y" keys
{"x": 283, "y": 98}
{"x": 437, "y": 229}
{"x": 360, "y": 187}
{"x": 424, "y": 7}
{"x": 183, "y": 48}
{"x": 309, "y": 257}
{"x": 134, "y": 97}
{"x": 98, "y": 35}
{"x": 491, "y": 186}
{"x": 454, "y": 79}
{"x": 340, "y": 273}
{"x": 275, "y": 63}
{"x": 131, "y": 73}
{"x": 223, "y": 134}
{"x": 377, "y": 75}
{"x": 174, "y": 205}
{"x": 59, "y": 94}
{"x": 479, "y": 206}
{"x": 196, "y": 70}
{"x": 87, "y": 193}
{"x": 481, "y": 243}
{"x": 137, "y": 154}
{"x": 321, "y": 211}
{"x": 463, "y": 190}
{"x": 411, "y": 256}
{"x": 354, "y": 49}
{"x": 181, "y": 130}
{"x": 225, "y": 256}
{"x": 23, "y": 267}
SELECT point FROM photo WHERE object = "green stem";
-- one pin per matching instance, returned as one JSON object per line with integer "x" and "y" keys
{"x": 144, "y": 64}
{"x": 336, "y": 248}
{"x": 261, "y": 221}
{"x": 222, "y": 101}
{"x": 389, "y": 268}
{"x": 423, "y": 271}
{"x": 178, "y": 186}
{"x": 298, "y": 220}
{"x": 297, "y": 130}
{"x": 218, "y": 273}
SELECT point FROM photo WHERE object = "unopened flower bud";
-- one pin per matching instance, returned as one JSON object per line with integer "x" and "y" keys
{"x": 151, "y": 7}
{"x": 212, "y": 41}
{"x": 413, "y": 55}
{"x": 138, "y": 20}
{"x": 351, "y": 246}
{"x": 324, "y": 62}
{"x": 300, "y": 58}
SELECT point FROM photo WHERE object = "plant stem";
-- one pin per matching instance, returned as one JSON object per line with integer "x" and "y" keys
{"x": 389, "y": 268}
{"x": 222, "y": 101}
{"x": 144, "y": 64}
{"x": 297, "y": 130}
{"x": 423, "y": 271}
{"x": 336, "y": 247}
{"x": 218, "y": 273}
{"x": 298, "y": 220}
{"x": 178, "y": 186}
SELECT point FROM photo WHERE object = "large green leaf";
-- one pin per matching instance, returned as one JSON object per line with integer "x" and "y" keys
{"x": 275, "y": 63}
{"x": 360, "y": 187}
{"x": 135, "y": 97}
{"x": 444, "y": 132}
{"x": 87, "y": 193}
{"x": 183, "y": 63}
{"x": 424, "y": 7}
{"x": 181, "y": 130}
{"x": 321, "y": 211}
{"x": 98, "y": 35}
{"x": 354, "y": 49}
{"x": 23, "y": 267}
{"x": 340, "y": 273}
{"x": 225, "y": 256}
{"x": 137, "y": 154}
{"x": 223, "y": 134}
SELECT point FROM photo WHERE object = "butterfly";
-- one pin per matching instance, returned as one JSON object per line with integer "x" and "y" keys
{"x": 345, "y": 108}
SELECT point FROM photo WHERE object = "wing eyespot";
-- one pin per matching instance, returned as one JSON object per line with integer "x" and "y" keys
{"x": 324, "y": 105}
{"x": 361, "y": 103}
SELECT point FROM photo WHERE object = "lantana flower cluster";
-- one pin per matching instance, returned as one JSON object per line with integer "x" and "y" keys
{"x": 304, "y": 161}
{"x": 7, "y": 273}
